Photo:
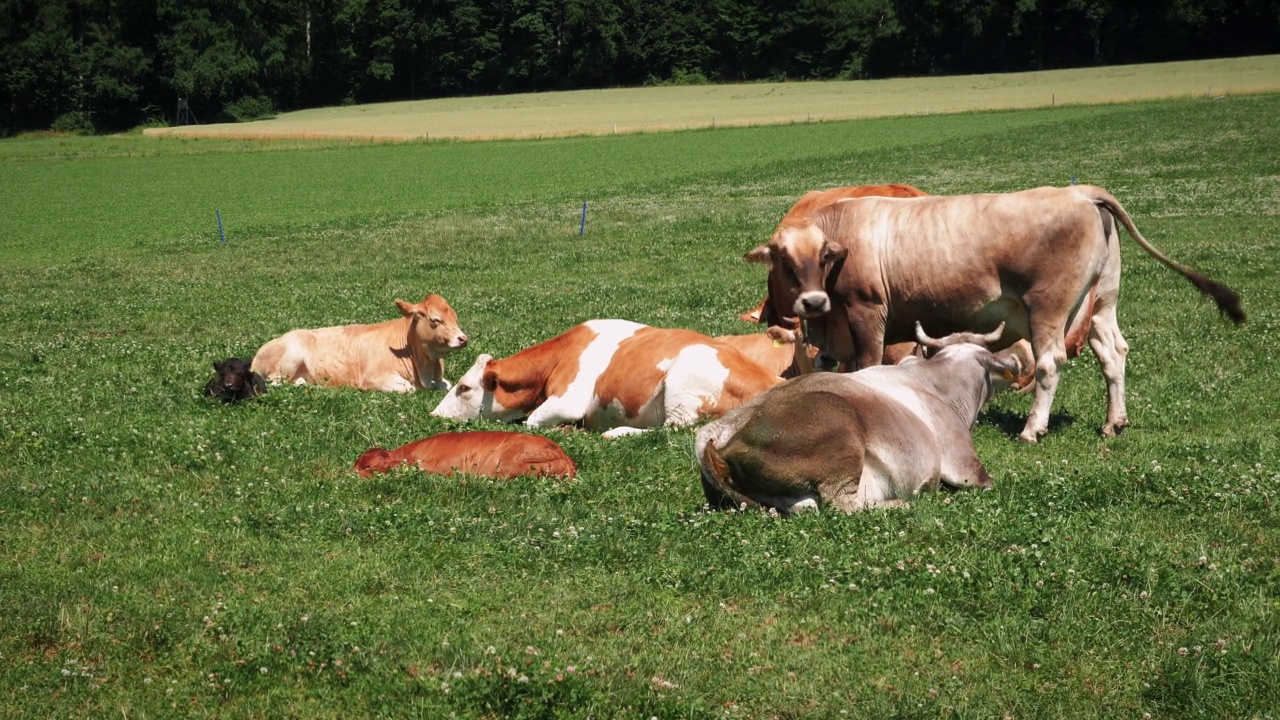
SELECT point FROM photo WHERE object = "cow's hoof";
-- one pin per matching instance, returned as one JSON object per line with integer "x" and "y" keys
{"x": 1115, "y": 428}
{"x": 1029, "y": 438}
{"x": 440, "y": 385}
{"x": 618, "y": 432}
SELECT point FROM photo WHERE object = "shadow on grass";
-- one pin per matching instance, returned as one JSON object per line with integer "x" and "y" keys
{"x": 1011, "y": 423}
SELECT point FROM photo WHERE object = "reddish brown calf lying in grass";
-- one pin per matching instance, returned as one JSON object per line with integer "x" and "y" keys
{"x": 492, "y": 453}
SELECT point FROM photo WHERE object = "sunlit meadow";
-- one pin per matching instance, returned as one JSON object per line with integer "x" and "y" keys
{"x": 167, "y": 556}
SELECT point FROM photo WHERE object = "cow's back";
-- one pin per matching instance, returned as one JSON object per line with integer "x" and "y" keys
{"x": 361, "y": 356}
{"x": 954, "y": 260}
{"x": 816, "y": 199}
{"x": 490, "y": 453}
{"x": 822, "y": 436}
{"x": 674, "y": 376}
{"x": 774, "y": 355}
{"x": 628, "y": 391}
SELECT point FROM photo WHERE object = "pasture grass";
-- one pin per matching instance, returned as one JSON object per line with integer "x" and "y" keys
{"x": 170, "y": 556}
{"x": 625, "y": 110}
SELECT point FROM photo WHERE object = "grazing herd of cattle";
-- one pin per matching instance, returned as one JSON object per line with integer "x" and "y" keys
{"x": 859, "y": 277}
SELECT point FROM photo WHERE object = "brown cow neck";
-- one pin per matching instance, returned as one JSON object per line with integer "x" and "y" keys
{"x": 419, "y": 358}
{"x": 523, "y": 377}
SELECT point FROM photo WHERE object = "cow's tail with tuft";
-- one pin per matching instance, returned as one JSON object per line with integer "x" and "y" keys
{"x": 1226, "y": 298}
{"x": 717, "y": 482}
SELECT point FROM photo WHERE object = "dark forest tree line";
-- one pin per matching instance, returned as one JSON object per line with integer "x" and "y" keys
{"x": 120, "y": 63}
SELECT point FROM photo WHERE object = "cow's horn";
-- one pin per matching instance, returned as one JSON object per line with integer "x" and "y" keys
{"x": 956, "y": 338}
{"x": 925, "y": 340}
{"x": 994, "y": 336}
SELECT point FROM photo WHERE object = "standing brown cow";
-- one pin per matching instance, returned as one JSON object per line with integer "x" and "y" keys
{"x": 969, "y": 262}
{"x": 828, "y": 334}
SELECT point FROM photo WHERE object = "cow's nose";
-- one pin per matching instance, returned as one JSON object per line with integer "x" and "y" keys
{"x": 813, "y": 303}
{"x": 462, "y": 341}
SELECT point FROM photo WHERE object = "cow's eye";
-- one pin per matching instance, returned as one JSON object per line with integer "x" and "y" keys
{"x": 463, "y": 389}
{"x": 436, "y": 322}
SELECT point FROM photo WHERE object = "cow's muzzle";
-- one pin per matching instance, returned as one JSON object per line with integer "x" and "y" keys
{"x": 812, "y": 304}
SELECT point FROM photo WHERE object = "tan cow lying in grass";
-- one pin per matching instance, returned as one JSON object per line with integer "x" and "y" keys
{"x": 612, "y": 375}
{"x": 774, "y": 349}
{"x": 399, "y": 355}
{"x": 492, "y": 453}
{"x": 848, "y": 441}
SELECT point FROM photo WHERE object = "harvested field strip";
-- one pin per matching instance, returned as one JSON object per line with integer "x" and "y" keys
{"x": 628, "y": 110}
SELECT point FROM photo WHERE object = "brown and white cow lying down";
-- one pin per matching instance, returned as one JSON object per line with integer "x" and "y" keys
{"x": 482, "y": 452}
{"x": 848, "y": 441}
{"x": 613, "y": 375}
{"x": 968, "y": 262}
{"x": 398, "y": 355}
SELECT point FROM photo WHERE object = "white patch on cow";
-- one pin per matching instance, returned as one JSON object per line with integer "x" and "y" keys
{"x": 579, "y": 397}
{"x": 695, "y": 378}
{"x": 807, "y": 503}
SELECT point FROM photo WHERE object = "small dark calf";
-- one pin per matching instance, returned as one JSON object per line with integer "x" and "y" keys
{"x": 234, "y": 381}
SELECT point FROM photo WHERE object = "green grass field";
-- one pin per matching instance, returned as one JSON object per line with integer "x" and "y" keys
{"x": 166, "y": 556}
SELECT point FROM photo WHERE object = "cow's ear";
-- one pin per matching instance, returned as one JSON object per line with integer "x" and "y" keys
{"x": 760, "y": 255}
{"x": 408, "y": 309}
{"x": 489, "y": 380}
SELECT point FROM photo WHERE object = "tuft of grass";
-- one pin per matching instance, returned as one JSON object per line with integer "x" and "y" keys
{"x": 169, "y": 555}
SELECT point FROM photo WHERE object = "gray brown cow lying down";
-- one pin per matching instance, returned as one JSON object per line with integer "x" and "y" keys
{"x": 848, "y": 441}
{"x": 398, "y": 355}
{"x": 482, "y": 452}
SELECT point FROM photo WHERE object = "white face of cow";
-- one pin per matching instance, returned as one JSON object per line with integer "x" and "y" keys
{"x": 466, "y": 400}
{"x": 470, "y": 400}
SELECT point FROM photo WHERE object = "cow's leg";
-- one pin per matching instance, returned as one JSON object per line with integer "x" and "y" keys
{"x": 437, "y": 381}
{"x": 615, "y": 433}
{"x": 397, "y": 383}
{"x": 961, "y": 469}
{"x": 1049, "y": 345}
{"x": 866, "y": 328}
{"x": 1112, "y": 350}
{"x": 1104, "y": 335}
{"x": 556, "y": 411}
